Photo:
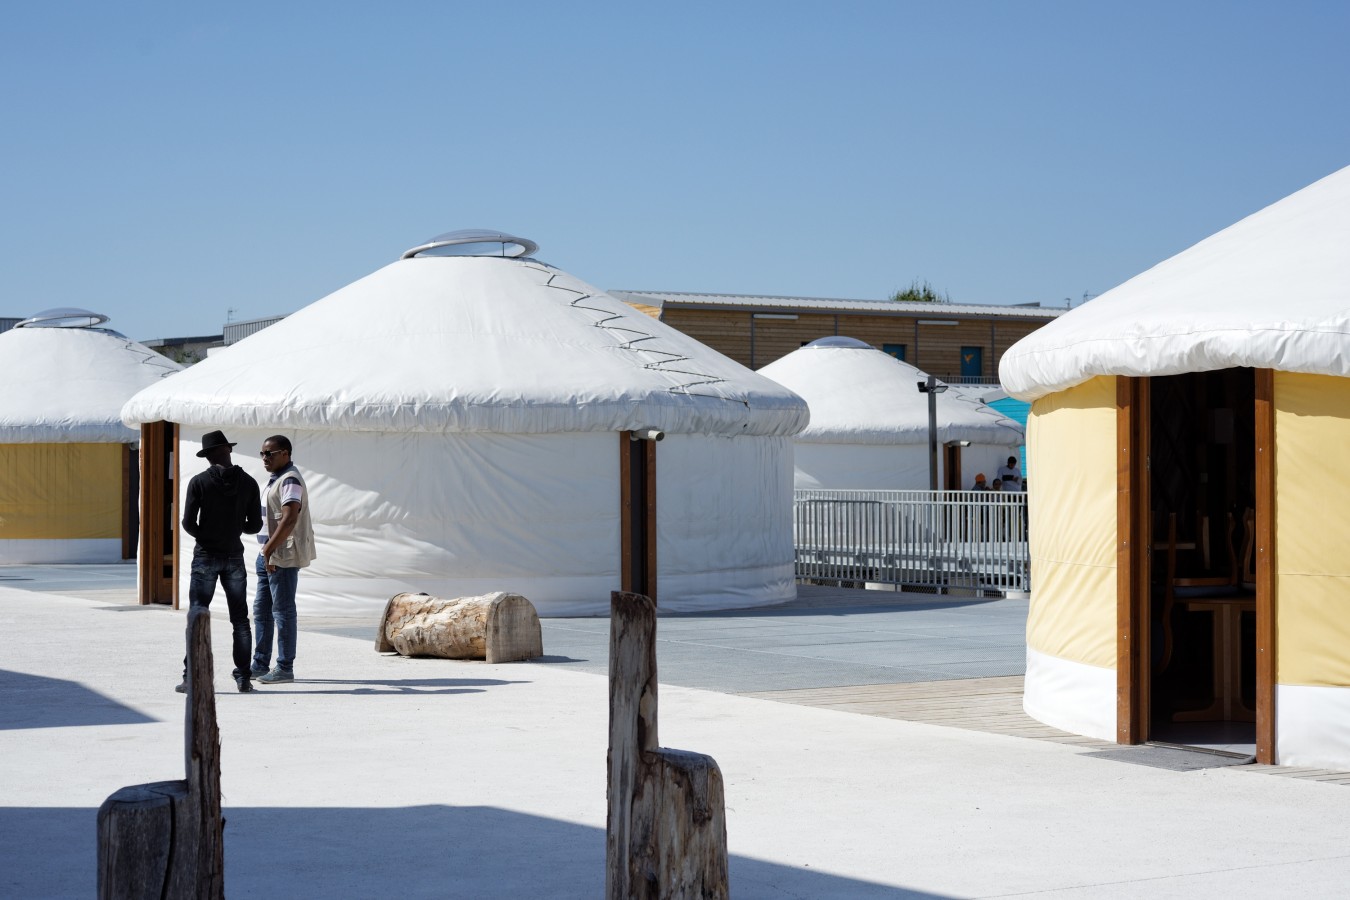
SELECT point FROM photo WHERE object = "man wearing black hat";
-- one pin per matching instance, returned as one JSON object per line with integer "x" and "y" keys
{"x": 222, "y": 503}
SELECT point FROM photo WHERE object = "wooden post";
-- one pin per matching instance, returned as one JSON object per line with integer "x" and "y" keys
{"x": 637, "y": 515}
{"x": 1133, "y": 549}
{"x": 166, "y": 839}
{"x": 666, "y": 834}
{"x": 1267, "y": 603}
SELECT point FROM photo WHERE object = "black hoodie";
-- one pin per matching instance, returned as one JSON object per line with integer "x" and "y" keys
{"x": 222, "y": 504}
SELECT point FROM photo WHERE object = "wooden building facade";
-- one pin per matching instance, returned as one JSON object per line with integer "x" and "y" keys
{"x": 959, "y": 343}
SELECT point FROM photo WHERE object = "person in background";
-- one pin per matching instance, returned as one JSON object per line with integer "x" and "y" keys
{"x": 288, "y": 546}
{"x": 1011, "y": 475}
{"x": 980, "y": 484}
{"x": 222, "y": 503}
{"x": 997, "y": 486}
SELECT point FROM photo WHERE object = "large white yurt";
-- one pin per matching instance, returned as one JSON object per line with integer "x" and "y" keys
{"x": 1189, "y": 431}
{"x": 464, "y": 418}
{"x": 67, "y": 463}
{"x": 869, "y": 422}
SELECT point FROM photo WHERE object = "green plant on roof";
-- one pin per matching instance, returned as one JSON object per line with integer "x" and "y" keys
{"x": 919, "y": 292}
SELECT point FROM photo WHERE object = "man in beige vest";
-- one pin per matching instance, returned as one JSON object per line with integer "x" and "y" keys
{"x": 287, "y": 539}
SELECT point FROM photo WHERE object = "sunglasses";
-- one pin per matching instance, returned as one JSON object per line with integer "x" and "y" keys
{"x": 268, "y": 454}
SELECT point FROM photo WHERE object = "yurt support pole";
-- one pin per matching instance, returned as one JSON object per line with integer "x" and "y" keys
{"x": 1132, "y": 560}
{"x": 637, "y": 498}
{"x": 1266, "y": 601}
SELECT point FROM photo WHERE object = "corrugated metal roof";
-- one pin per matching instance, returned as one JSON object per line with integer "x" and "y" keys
{"x": 829, "y": 304}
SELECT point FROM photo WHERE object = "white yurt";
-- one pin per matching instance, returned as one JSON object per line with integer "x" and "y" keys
{"x": 869, "y": 422}
{"x": 1189, "y": 432}
{"x": 460, "y": 418}
{"x": 67, "y": 463}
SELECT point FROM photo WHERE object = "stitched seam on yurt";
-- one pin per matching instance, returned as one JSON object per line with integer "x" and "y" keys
{"x": 629, "y": 343}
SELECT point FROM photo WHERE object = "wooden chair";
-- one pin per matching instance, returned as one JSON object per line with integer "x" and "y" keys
{"x": 1225, "y": 600}
{"x": 1171, "y": 581}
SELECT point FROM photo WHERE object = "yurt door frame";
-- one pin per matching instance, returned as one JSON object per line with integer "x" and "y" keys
{"x": 637, "y": 505}
{"x": 157, "y": 573}
{"x": 1133, "y": 558}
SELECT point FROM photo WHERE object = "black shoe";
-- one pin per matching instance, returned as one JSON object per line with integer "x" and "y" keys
{"x": 182, "y": 687}
{"x": 243, "y": 683}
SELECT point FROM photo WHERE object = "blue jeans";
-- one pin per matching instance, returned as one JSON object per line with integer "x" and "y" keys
{"x": 274, "y": 603}
{"x": 207, "y": 568}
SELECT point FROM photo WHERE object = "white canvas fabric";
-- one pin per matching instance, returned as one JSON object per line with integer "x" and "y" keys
{"x": 68, "y": 385}
{"x": 860, "y": 395}
{"x": 1272, "y": 291}
{"x": 537, "y": 514}
{"x": 458, "y": 421}
{"x": 472, "y": 344}
{"x": 869, "y": 422}
{"x": 1071, "y": 696}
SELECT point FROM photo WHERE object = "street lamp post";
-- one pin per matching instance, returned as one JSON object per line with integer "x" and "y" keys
{"x": 932, "y": 387}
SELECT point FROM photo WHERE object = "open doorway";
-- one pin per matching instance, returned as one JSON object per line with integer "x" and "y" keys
{"x": 157, "y": 554}
{"x": 1202, "y": 516}
{"x": 951, "y": 466}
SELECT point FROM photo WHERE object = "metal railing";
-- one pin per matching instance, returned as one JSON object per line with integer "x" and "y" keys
{"x": 974, "y": 541}
{"x": 968, "y": 379}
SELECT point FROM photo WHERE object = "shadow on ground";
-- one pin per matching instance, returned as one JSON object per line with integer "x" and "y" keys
{"x": 35, "y": 701}
{"x": 388, "y": 686}
{"x": 419, "y": 851}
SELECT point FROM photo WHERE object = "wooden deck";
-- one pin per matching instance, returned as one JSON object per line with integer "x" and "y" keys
{"x": 991, "y": 705}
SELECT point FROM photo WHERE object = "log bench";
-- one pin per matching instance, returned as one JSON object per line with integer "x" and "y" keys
{"x": 498, "y": 627}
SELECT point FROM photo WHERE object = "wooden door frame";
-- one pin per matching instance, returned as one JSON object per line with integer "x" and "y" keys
{"x": 1133, "y": 517}
{"x": 951, "y": 466}
{"x": 1133, "y": 639}
{"x": 130, "y": 500}
{"x": 1267, "y": 601}
{"x": 158, "y": 440}
{"x": 637, "y": 515}
{"x": 176, "y": 516}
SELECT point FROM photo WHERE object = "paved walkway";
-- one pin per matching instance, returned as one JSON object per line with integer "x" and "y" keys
{"x": 378, "y": 776}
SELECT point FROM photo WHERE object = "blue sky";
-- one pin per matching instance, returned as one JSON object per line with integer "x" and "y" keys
{"x": 166, "y": 163}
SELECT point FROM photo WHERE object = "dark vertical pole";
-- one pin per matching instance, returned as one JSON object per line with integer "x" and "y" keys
{"x": 173, "y": 535}
{"x": 1267, "y": 603}
{"x": 1132, "y": 560}
{"x": 637, "y": 490}
{"x": 932, "y": 435}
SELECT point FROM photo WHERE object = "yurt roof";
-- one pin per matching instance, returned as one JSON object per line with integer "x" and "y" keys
{"x": 1272, "y": 291}
{"x": 476, "y": 343}
{"x": 68, "y": 384}
{"x": 860, "y": 395}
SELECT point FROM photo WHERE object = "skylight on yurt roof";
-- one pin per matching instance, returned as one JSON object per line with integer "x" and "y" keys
{"x": 64, "y": 317}
{"x": 474, "y": 242}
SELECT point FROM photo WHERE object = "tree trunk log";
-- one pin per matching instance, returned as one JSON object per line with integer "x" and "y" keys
{"x": 498, "y": 627}
{"x": 166, "y": 839}
{"x": 666, "y": 831}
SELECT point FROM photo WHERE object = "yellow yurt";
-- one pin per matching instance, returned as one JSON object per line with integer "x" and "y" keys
{"x": 1190, "y": 433}
{"x": 68, "y": 468}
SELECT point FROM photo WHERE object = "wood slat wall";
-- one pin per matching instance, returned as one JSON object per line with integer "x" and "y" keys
{"x": 756, "y": 342}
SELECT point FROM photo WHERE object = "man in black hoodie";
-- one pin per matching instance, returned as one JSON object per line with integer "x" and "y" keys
{"x": 222, "y": 503}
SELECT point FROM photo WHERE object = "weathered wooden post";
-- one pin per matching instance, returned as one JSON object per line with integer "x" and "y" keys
{"x": 666, "y": 834}
{"x": 166, "y": 839}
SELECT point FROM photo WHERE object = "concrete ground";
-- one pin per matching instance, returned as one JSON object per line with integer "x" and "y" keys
{"x": 378, "y": 776}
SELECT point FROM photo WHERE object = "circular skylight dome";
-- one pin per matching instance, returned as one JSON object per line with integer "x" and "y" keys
{"x": 474, "y": 242}
{"x": 64, "y": 317}
{"x": 838, "y": 341}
